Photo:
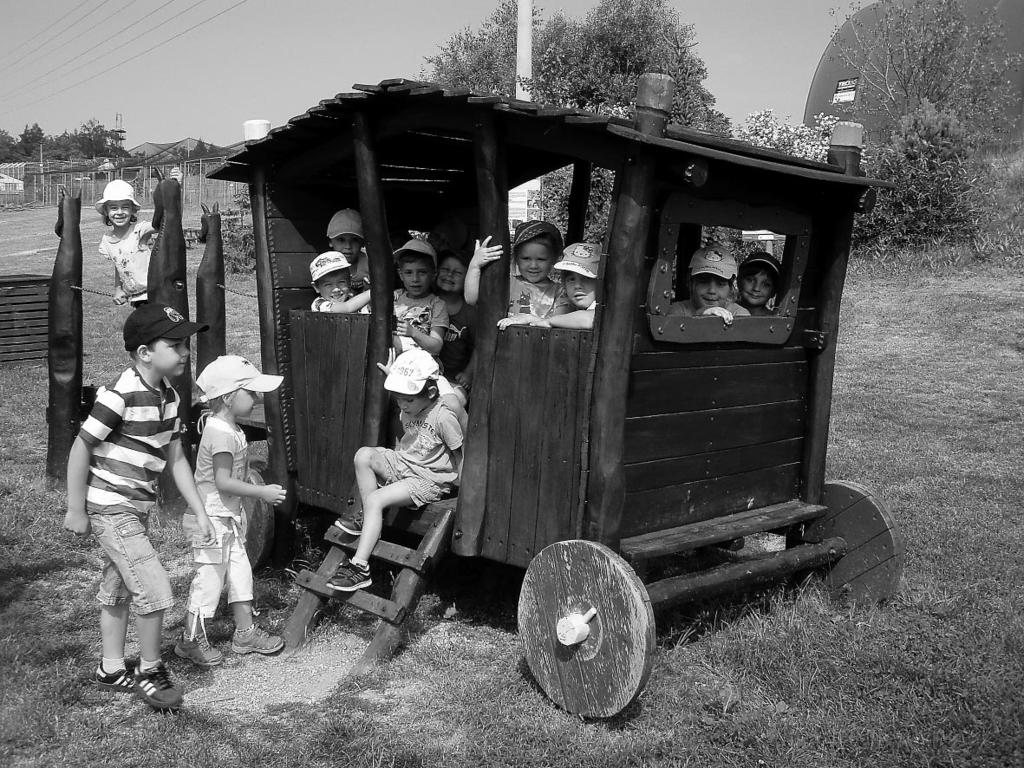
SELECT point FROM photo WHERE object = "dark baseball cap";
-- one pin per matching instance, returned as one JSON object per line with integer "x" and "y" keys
{"x": 157, "y": 321}
{"x": 530, "y": 230}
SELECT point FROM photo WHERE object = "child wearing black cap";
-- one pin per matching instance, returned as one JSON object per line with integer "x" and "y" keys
{"x": 758, "y": 283}
{"x": 131, "y": 433}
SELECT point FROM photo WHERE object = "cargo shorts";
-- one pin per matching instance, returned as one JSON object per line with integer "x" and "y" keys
{"x": 132, "y": 572}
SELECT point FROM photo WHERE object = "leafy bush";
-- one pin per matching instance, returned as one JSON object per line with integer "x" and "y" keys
{"x": 764, "y": 129}
{"x": 239, "y": 247}
{"x": 939, "y": 195}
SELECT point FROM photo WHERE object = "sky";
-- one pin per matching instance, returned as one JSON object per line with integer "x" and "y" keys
{"x": 177, "y": 68}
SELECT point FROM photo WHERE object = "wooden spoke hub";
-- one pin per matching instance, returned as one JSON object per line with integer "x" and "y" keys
{"x": 587, "y": 628}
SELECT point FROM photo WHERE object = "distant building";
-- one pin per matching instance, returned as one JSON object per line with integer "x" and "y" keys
{"x": 12, "y": 190}
{"x": 836, "y": 87}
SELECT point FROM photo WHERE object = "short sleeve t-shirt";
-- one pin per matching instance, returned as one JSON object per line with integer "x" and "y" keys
{"x": 458, "y": 341}
{"x": 131, "y": 259}
{"x": 321, "y": 304}
{"x": 543, "y": 300}
{"x": 428, "y": 442}
{"x": 424, "y": 313}
{"x": 220, "y": 437}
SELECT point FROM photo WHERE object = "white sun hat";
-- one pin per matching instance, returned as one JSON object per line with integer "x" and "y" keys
{"x": 116, "y": 190}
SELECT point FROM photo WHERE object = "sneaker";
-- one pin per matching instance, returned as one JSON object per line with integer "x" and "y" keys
{"x": 198, "y": 651}
{"x": 257, "y": 641}
{"x": 351, "y": 522}
{"x": 154, "y": 686}
{"x": 349, "y": 577}
{"x": 120, "y": 681}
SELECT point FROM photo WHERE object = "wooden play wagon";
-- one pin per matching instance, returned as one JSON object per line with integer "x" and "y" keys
{"x": 590, "y": 454}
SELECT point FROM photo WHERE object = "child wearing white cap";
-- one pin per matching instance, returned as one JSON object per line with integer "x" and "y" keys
{"x": 232, "y": 385}
{"x": 712, "y": 286}
{"x": 332, "y": 280}
{"x": 580, "y": 267}
{"x": 422, "y": 470}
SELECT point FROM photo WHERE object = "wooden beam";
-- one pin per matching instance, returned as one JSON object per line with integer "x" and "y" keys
{"x": 492, "y": 192}
{"x": 835, "y": 235}
{"x": 270, "y": 342}
{"x": 579, "y": 199}
{"x": 64, "y": 336}
{"x": 381, "y": 262}
{"x": 627, "y": 244}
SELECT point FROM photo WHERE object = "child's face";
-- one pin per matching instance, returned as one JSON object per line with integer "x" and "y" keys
{"x": 416, "y": 275}
{"x": 350, "y": 245}
{"x": 710, "y": 291}
{"x": 756, "y": 288}
{"x": 334, "y": 285}
{"x": 119, "y": 212}
{"x": 167, "y": 357}
{"x": 414, "y": 405}
{"x": 241, "y": 402}
{"x": 534, "y": 260}
{"x": 582, "y": 290}
{"x": 451, "y": 276}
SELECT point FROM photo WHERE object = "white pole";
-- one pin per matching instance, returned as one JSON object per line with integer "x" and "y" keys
{"x": 524, "y": 47}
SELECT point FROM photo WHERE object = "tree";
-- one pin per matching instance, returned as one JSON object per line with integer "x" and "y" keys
{"x": 8, "y": 148}
{"x": 911, "y": 51}
{"x": 29, "y": 141}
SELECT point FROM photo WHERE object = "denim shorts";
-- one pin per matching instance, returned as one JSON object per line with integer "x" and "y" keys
{"x": 132, "y": 572}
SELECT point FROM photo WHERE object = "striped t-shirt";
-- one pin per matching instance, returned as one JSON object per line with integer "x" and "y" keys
{"x": 130, "y": 426}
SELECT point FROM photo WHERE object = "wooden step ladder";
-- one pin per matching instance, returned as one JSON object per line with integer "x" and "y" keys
{"x": 433, "y": 524}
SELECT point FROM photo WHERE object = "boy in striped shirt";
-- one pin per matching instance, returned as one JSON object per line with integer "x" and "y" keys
{"x": 114, "y": 463}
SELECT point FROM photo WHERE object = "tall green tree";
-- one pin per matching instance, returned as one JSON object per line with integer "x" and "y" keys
{"x": 29, "y": 141}
{"x": 9, "y": 148}
{"x": 909, "y": 52}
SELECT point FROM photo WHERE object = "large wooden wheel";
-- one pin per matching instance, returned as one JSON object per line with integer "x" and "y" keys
{"x": 873, "y": 563}
{"x": 258, "y": 519}
{"x": 587, "y": 628}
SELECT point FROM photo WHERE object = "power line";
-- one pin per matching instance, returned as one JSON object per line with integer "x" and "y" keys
{"x": 55, "y": 35}
{"x": 103, "y": 41}
{"x": 148, "y": 50}
{"x": 36, "y": 35}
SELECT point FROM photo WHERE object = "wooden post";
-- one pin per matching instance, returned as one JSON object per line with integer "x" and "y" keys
{"x": 267, "y": 306}
{"x": 845, "y": 151}
{"x": 492, "y": 195}
{"x": 210, "y": 297}
{"x": 382, "y": 271}
{"x": 630, "y": 229}
{"x": 166, "y": 285}
{"x": 64, "y": 355}
{"x": 579, "y": 199}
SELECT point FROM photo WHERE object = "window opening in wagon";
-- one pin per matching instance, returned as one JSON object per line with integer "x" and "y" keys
{"x": 740, "y": 253}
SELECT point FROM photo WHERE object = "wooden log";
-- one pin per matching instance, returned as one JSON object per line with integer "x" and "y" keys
{"x": 836, "y": 234}
{"x": 628, "y": 241}
{"x": 736, "y": 577}
{"x": 210, "y": 298}
{"x": 64, "y": 334}
{"x": 579, "y": 199}
{"x": 382, "y": 271}
{"x": 269, "y": 310}
{"x": 492, "y": 193}
{"x": 166, "y": 285}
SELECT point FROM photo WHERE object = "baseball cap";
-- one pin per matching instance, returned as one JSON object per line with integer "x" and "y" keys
{"x": 410, "y": 371}
{"x": 157, "y": 321}
{"x": 714, "y": 259}
{"x": 761, "y": 259}
{"x": 116, "y": 190}
{"x": 582, "y": 258}
{"x": 529, "y": 230}
{"x": 231, "y": 372}
{"x": 327, "y": 262}
{"x": 417, "y": 246}
{"x": 347, "y": 221}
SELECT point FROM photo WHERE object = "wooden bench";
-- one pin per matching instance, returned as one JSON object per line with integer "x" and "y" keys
{"x": 24, "y": 312}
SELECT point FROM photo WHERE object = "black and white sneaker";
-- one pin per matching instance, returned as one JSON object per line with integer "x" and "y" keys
{"x": 349, "y": 577}
{"x": 351, "y": 522}
{"x": 121, "y": 681}
{"x": 154, "y": 686}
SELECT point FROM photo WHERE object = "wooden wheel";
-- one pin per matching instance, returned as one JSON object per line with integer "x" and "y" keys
{"x": 587, "y": 628}
{"x": 258, "y": 522}
{"x": 873, "y": 563}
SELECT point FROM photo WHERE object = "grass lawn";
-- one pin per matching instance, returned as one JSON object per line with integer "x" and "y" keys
{"x": 928, "y": 412}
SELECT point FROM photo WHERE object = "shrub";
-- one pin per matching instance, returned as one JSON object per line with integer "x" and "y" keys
{"x": 939, "y": 195}
{"x": 764, "y": 129}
